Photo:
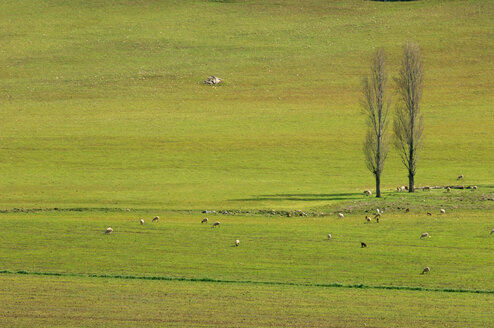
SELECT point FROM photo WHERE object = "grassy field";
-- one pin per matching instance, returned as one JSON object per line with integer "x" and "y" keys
{"x": 64, "y": 271}
{"x": 274, "y": 249}
{"x": 102, "y": 102}
{"x": 104, "y": 120}
{"x": 68, "y": 302}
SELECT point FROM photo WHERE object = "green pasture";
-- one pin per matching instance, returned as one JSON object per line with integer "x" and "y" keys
{"x": 288, "y": 250}
{"x": 104, "y": 120}
{"x": 60, "y": 269}
{"x": 102, "y": 102}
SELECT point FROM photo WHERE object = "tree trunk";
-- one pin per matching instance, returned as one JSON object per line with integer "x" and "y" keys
{"x": 411, "y": 182}
{"x": 378, "y": 186}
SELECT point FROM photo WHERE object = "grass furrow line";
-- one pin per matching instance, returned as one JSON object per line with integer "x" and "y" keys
{"x": 278, "y": 283}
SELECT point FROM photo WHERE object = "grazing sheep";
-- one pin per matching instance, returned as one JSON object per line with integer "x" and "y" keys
{"x": 108, "y": 230}
{"x": 156, "y": 218}
{"x": 448, "y": 189}
{"x": 442, "y": 210}
{"x": 237, "y": 242}
{"x": 407, "y": 210}
{"x": 460, "y": 177}
{"x": 401, "y": 188}
{"x": 142, "y": 221}
{"x": 362, "y": 244}
{"x": 205, "y": 220}
{"x": 368, "y": 219}
{"x": 216, "y": 224}
{"x": 429, "y": 213}
{"x": 367, "y": 192}
{"x": 426, "y": 269}
{"x": 425, "y": 235}
{"x": 474, "y": 188}
{"x": 329, "y": 235}
{"x": 492, "y": 231}
{"x": 341, "y": 215}
{"x": 213, "y": 80}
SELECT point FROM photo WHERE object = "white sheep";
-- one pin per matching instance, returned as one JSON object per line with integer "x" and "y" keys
{"x": 448, "y": 189}
{"x": 237, "y": 242}
{"x": 329, "y": 235}
{"x": 442, "y": 210}
{"x": 368, "y": 219}
{"x": 426, "y": 269}
{"x": 341, "y": 215}
{"x": 474, "y": 188}
{"x": 205, "y": 220}
{"x": 216, "y": 224}
{"x": 108, "y": 230}
{"x": 142, "y": 221}
{"x": 156, "y": 218}
{"x": 213, "y": 80}
{"x": 425, "y": 235}
{"x": 378, "y": 211}
{"x": 367, "y": 192}
{"x": 492, "y": 231}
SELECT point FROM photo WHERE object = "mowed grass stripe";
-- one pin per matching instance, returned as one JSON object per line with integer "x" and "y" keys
{"x": 49, "y": 301}
{"x": 278, "y": 283}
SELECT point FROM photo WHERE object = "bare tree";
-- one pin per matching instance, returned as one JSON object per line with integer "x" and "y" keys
{"x": 408, "y": 123}
{"x": 375, "y": 105}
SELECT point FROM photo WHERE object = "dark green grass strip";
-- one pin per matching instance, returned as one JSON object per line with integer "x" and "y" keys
{"x": 277, "y": 283}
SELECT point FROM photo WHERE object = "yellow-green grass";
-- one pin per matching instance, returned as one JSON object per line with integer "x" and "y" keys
{"x": 279, "y": 250}
{"x": 102, "y": 106}
{"x": 95, "y": 302}
{"x": 102, "y": 103}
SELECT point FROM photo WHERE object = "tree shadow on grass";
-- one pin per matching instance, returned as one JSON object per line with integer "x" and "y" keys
{"x": 301, "y": 197}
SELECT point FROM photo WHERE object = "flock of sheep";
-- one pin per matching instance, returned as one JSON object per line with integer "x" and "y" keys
{"x": 378, "y": 215}
{"x": 405, "y": 188}
{"x": 109, "y": 230}
{"x": 376, "y": 218}
{"x": 368, "y": 219}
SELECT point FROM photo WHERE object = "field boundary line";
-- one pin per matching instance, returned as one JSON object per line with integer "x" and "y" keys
{"x": 253, "y": 282}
